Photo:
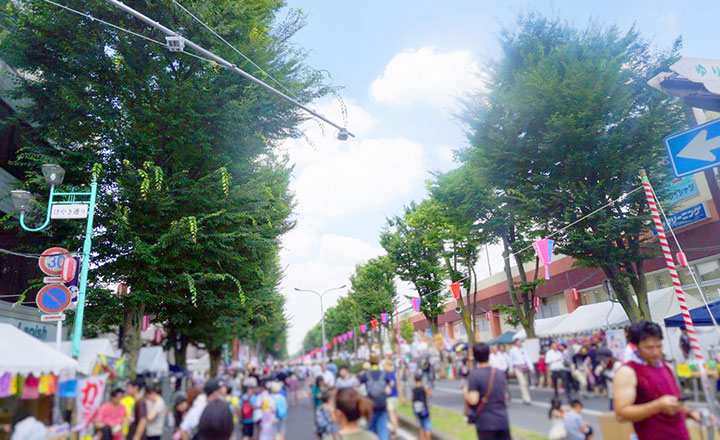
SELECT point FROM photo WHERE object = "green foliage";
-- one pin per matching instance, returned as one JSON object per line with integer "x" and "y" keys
{"x": 414, "y": 250}
{"x": 407, "y": 330}
{"x": 192, "y": 201}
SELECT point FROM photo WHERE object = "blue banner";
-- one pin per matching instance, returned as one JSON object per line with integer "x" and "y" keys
{"x": 688, "y": 216}
{"x": 682, "y": 188}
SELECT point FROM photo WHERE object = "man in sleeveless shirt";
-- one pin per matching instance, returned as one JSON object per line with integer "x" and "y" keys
{"x": 646, "y": 393}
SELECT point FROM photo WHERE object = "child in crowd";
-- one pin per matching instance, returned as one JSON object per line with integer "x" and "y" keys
{"x": 248, "y": 402}
{"x": 556, "y": 414}
{"x": 324, "y": 419}
{"x": 421, "y": 409}
{"x": 269, "y": 417}
{"x": 575, "y": 427}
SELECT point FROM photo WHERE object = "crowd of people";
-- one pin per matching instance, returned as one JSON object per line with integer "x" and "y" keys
{"x": 360, "y": 401}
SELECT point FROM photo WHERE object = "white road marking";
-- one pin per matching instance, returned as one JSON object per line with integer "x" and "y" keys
{"x": 590, "y": 412}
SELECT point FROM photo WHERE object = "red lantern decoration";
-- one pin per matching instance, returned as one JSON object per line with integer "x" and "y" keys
{"x": 681, "y": 258}
{"x": 537, "y": 304}
{"x": 145, "y": 322}
{"x": 122, "y": 289}
{"x": 374, "y": 324}
{"x": 575, "y": 294}
{"x": 455, "y": 289}
{"x": 488, "y": 315}
{"x": 69, "y": 269}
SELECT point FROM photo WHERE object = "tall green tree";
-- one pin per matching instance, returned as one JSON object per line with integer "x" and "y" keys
{"x": 417, "y": 256}
{"x": 568, "y": 125}
{"x": 373, "y": 292}
{"x": 192, "y": 200}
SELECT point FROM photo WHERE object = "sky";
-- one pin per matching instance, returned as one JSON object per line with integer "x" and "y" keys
{"x": 402, "y": 66}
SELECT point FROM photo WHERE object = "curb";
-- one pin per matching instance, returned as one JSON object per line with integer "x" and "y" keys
{"x": 412, "y": 425}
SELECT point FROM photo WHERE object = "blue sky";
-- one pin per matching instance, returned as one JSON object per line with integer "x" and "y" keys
{"x": 402, "y": 65}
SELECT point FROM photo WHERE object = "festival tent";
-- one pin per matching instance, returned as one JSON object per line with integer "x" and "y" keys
{"x": 24, "y": 354}
{"x": 201, "y": 364}
{"x": 542, "y": 326}
{"x": 89, "y": 351}
{"x": 505, "y": 338}
{"x": 608, "y": 314}
{"x": 700, "y": 316}
{"x": 152, "y": 360}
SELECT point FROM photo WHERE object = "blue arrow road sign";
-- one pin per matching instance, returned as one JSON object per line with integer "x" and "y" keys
{"x": 694, "y": 149}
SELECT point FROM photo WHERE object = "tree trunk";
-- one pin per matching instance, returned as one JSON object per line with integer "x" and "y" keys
{"x": 623, "y": 293}
{"x": 529, "y": 328}
{"x": 215, "y": 358}
{"x": 131, "y": 336}
{"x": 181, "y": 351}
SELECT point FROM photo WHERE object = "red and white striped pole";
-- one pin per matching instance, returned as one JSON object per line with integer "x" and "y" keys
{"x": 679, "y": 293}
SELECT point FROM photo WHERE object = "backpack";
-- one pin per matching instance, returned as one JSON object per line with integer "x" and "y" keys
{"x": 246, "y": 410}
{"x": 375, "y": 386}
{"x": 281, "y": 409}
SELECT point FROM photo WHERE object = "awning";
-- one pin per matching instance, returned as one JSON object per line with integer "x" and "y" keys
{"x": 505, "y": 338}
{"x": 24, "y": 354}
{"x": 700, "y": 316}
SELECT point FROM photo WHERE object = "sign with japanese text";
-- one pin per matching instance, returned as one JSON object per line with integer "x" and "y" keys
{"x": 688, "y": 216}
{"x": 682, "y": 188}
{"x": 74, "y": 210}
{"x": 90, "y": 393}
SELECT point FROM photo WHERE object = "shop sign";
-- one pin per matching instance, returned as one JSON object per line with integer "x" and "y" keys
{"x": 688, "y": 216}
{"x": 90, "y": 393}
{"x": 682, "y": 188}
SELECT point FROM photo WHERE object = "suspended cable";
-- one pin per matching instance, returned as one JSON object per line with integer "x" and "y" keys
{"x": 91, "y": 18}
{"x": 235, "y": 49}
{"x": 19, "y": 254}
{"x": 692, "y": 273}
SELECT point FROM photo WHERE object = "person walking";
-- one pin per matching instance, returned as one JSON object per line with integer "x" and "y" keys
{"x": 378, "y": 385}
{"x": 138, "y": 422}
{"x": 523, "y": 367}
{"x": 111, "y": 416}
{"x": 485, "y": 397}
{"x": 156, "y": 413}
{"x": 420, "y": 407}
{"x": 555, "y": 361}
{"x": 646, "y": 393}
{"x": 393, "y": 399}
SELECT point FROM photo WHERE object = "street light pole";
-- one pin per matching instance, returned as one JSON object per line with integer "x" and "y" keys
{"x": 322, "y": 311}
{"x": 54, "y": 176}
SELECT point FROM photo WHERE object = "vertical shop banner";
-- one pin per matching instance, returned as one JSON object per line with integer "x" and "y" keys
{"x": 90, "y": 393}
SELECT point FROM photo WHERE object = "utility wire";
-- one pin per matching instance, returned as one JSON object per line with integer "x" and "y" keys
{"x": 91, "y": 18}
{"x": 610, "y": 203}
{"x": 235, "y": 49}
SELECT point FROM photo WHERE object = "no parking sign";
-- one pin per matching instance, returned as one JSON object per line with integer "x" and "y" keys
{"x": 53, "y": 298}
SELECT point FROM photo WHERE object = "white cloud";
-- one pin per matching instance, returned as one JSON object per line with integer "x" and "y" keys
{"x": 426, "y": 76}
{"x": 445, "y": 153}
{"x": 320, "y": 138}
{"x": 368, "y": 174}
{"x": 330, "y": 265}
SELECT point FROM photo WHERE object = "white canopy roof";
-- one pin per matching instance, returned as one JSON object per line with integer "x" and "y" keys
{"x": 202, "y": 364}
{"x": 607, "y": 314}
{"x": 89, "y": 351}
{"x": 24, "y": 354}
{"x": 152, "y": 360}
{"x": 542, "y": 326}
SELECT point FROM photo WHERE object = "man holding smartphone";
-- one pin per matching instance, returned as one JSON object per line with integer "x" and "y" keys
{"x": 646, "y": 393}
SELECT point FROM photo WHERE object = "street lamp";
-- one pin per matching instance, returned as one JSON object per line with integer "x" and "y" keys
{"x": 322, "y": 310}
{"x": 54, "y": 175}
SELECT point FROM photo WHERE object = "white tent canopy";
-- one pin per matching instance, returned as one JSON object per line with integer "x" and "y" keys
{"x": 608, "y": 314}
{"x": 89, "y": 351}
{"x": 202, "y": 364}
{"x": 542, "y": 326}
{"x": 152, "y": 360}
{"x": 24, "y": 354}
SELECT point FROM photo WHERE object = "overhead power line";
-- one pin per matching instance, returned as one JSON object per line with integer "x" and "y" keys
{"x": 235, "y": 49}
{"x": 170, "y": 34}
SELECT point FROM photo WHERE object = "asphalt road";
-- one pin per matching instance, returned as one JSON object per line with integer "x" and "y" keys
{"x": 533, "y": 417}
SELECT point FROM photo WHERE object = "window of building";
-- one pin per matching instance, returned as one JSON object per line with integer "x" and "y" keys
{"x": 482, "y": 323}
{"x": 662, "y": 280}
{"x": 710, "y": 270}
{"x": 548, "y": 310}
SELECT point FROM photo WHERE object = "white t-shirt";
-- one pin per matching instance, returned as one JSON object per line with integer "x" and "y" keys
{"x": 498, "y": 361}
{"x": 329, "y": 378}
{"x": 192, "y": 418}
{"x": 29, "y": 428}
{"x": 156, "y": 425}
{"x": 554, "y": 360}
